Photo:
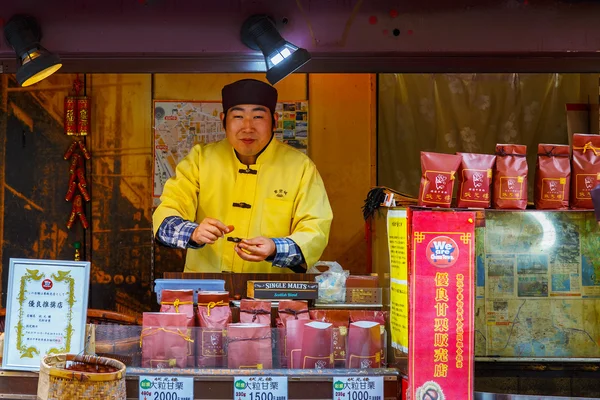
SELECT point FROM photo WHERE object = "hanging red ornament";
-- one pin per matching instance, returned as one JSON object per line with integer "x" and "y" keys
{"x": 77, "y": 123}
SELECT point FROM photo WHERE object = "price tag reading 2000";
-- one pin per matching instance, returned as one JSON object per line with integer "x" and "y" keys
{"x": 358, "y": 388}
{"x": 260, "y": 388}
{"x": 166, "y": 388}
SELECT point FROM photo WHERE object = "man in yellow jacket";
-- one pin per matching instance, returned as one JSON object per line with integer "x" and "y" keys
{"x": 248, "y": 186}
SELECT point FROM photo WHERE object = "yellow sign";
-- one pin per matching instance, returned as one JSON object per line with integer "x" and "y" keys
{"x": 398, "y": 249}
{"x": 397, "y": 232}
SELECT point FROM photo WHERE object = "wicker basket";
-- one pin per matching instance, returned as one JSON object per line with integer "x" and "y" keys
{"x": 57, "y": 382}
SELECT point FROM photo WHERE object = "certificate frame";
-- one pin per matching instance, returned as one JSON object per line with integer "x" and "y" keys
{"x": 60, "y": 290}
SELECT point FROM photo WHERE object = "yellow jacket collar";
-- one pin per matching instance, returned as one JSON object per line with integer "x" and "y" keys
{"x": 266, "y": 155}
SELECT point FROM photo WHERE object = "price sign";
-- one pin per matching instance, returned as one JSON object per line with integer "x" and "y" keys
{"x": 358, "y": 388}
{"x": 260, "y": 388}
{"x": 166, "y": 388}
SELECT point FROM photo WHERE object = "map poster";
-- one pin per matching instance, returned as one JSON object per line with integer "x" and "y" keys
{"x": 540, "y": 272}
{"x": 441, "y": 341}
{"x": 180, "y": 125}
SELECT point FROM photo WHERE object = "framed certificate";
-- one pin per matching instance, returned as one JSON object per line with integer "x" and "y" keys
{"x": 46, "y": 310}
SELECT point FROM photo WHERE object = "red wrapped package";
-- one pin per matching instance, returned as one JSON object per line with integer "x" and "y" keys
{"x": 586, "y": 170}
{"x": 373, "y": 316}
{"x": 340, "y": 320}
{"x": 164, "y": 340}
{"x": 290, "y": 310}
{"x": 552, "y": 177}
{"x": 510, "y": 177}
{"x": 255, "y": 312}
{"x": 249, "y": 346}
{"x": 294, "y": 332}
{"x": 214, "y": 315}
{"x": 475, "y": 178}
{"x": 181, "y": 302}
{"x": 437, "y": 180}
{"x": 317, "y": 345}
{"x": 364, "y": 345}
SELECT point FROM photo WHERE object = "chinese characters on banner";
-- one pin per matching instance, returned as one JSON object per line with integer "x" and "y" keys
{"x": 398, "y": 249}
{"x": 441, "y": 305}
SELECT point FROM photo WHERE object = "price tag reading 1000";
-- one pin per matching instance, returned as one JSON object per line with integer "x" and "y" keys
{"x": 358, "y": 388}
{"x": 260, "y": 388}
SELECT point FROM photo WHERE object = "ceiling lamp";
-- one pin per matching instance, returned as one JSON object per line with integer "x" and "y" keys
{"x": 282, "y": 57}
{"x": 34, "y": 62}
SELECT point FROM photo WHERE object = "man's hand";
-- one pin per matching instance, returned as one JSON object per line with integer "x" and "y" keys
{"x": 256, "y": 249}
{"x": 210, "y": 230}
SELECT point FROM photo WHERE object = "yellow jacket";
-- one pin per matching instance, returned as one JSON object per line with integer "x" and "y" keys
{"x": 287, "y": 198}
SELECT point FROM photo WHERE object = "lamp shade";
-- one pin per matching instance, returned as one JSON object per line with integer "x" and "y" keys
{"x": 281, "y": 57}
{"x": 34, "y": 62}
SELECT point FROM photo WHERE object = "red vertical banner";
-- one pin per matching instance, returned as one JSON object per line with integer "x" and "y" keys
{"x": 442, "y": 302}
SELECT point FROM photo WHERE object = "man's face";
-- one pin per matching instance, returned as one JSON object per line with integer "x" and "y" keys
{"x": 248, "y": 128}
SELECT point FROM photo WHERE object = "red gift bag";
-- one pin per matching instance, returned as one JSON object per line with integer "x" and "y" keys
{"x": 164, "y": 340}
{"x": 364, "y": 345}
{"x": 340, "y": 320}
{"x": 249, "y": 346}
{"x": 255, "y": 312}
{"x": 373, "y": 316}
{"x": 289, "y": 310}
{"x": 181, "y": 301}
{"x": 552, "y": 177}
{"x": 214, "y": 315}
{"x": 294, "y": 332}
{"x": 586, "y": 170}
{"x": 317, "y": 345}
{"x": 510, "y": 177}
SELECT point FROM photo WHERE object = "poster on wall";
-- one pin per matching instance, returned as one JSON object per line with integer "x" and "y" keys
{"x": 46, "y": 312}
{"x": 442, "y": 298}
{"x": 538, "y": 285}
{"x": 180, "y": 125}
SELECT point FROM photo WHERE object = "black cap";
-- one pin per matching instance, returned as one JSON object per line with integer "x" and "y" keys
{"x": 249, "y": 91}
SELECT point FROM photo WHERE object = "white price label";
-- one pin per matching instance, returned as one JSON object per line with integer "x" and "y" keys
{"x": 358, "y": 388}
{"x": 260, "y": 388}
{"x": 166, "y": 388}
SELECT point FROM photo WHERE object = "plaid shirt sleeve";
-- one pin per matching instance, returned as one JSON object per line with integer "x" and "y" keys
{"x": 288, "y": 254}
{"x": 176, "y": 232}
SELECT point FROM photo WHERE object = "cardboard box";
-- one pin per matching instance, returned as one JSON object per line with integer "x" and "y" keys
{"x": 277, "y": 290}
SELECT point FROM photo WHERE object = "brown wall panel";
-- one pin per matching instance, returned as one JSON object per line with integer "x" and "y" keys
{"x": 121, "y": 189}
